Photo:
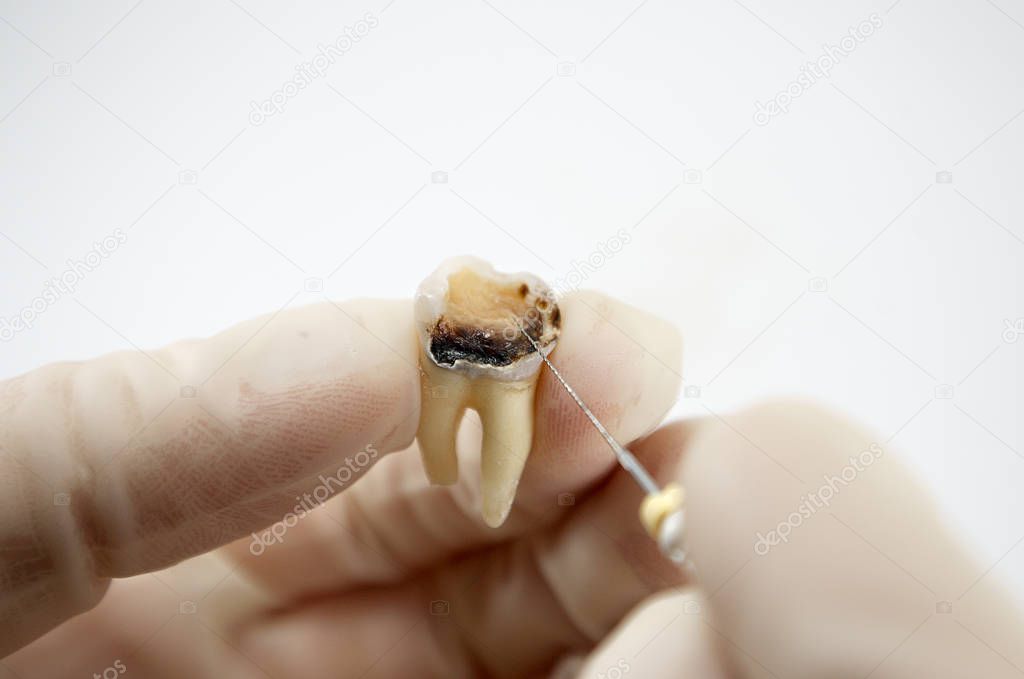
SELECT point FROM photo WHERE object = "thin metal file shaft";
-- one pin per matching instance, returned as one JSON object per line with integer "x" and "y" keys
{"x": 626, "y": 459}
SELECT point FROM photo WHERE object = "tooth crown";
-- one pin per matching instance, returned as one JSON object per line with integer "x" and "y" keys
{"x": 470, "y": 320}
{"x": 464, "y": 318}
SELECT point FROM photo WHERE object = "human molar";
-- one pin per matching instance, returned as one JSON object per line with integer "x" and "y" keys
{"x": 470, "y": 320}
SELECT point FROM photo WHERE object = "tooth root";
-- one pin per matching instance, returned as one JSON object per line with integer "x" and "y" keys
{"x": 444, "y": 400}
{"x": 506, "y": 415}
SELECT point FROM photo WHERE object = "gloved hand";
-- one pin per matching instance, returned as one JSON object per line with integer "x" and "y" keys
{"x": 193, "y": 476}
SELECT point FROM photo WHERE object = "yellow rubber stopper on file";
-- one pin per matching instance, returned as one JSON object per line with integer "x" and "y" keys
{"x": 657, "y": 506}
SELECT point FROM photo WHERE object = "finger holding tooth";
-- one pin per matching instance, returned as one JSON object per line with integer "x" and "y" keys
{"x": 623, "y": 361}
{"x": 626, "y": 364}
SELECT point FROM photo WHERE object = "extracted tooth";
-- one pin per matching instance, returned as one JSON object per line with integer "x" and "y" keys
{"x": 471, "y": 321}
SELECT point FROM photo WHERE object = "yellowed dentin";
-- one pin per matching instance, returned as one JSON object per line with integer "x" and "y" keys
{"x": 474, "y": 299}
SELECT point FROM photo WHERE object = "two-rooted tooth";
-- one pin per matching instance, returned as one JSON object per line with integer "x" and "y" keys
{"x": 471, "y": 321}
{"x": 506, "y": 416}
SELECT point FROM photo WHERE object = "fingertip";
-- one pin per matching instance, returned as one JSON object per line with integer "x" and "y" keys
{"x": 588, "y": 311}
{"x": 279, "y": 400}
{"x": 624, "y": 363}
{"x": 661, "y": 451}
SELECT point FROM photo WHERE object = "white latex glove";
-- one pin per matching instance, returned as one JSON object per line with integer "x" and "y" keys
{"x": 393, "y": 578}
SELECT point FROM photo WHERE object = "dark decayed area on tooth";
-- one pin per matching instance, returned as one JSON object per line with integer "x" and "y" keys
{"x": 450, "y": 342}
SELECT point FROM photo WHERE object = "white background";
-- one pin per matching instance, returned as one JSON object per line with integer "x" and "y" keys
{"x": 734, "y": 227}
